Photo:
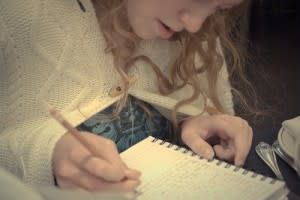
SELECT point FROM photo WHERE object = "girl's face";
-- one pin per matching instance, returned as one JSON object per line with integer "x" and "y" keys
{"x": 162, "y": 18}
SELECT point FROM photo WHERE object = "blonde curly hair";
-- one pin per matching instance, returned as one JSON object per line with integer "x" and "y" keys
{"x": 122, "y": 42}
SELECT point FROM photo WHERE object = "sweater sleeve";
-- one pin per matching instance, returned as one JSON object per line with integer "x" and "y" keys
{"x": 27, "y": 141}
{"x": 27, "y": 153}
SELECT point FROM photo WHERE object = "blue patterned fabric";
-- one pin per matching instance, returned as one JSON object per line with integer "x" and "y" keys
{"x": 132, "y": 126}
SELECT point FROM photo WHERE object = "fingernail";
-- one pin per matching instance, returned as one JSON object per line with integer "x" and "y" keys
{"x": 209, "y": 154}
{"x": 136, "y": 171}
{"x": 131, "y": 173}
{"x": 239, "y": 163}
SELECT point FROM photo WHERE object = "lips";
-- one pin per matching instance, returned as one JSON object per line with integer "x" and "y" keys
{"x": 167, "y": 27}
{"x": 164, "y": 31}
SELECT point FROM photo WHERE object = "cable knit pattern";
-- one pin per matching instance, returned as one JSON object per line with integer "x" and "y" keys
{"x": 52, "y": 53}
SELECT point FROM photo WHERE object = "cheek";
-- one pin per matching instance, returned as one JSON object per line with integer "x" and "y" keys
{"x": 139, "y": 19}
{"x": 132, "y": 8}
{"x": 139, "y": 10}
{"x": 133, "y": 12}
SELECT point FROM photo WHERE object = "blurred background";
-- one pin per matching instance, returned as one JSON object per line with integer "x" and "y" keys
{"x": 272, "y": 29}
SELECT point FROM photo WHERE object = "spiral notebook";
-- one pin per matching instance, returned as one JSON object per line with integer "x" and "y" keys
{"x": 173, "y": 172}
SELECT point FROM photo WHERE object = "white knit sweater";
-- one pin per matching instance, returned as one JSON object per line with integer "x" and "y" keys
{"x": 51, "y": 52}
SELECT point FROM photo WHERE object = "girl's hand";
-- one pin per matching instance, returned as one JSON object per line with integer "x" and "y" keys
{"x": 75, "y": 167}
{"x": 234, "y": 133}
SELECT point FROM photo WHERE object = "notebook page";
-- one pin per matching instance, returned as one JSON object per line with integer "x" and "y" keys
{"x": 171, "y": 174}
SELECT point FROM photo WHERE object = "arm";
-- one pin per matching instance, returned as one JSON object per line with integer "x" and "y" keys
{"x": 34, "y": 146}
{"x": 27, "y": 136}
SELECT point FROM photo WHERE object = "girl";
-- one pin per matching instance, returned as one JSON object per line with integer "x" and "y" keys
{"x": 123, "y": 69}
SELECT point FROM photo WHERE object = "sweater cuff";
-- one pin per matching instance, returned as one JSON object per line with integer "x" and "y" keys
{"x": 37, "y": 153}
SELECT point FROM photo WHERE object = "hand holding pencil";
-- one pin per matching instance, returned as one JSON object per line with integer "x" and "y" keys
{"x": 90, "y": 162}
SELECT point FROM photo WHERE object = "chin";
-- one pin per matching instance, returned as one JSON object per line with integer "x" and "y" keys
{"x": 144, "y": 35}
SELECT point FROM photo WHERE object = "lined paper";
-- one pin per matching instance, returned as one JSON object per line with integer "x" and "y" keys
{"x": 171, "y": 174}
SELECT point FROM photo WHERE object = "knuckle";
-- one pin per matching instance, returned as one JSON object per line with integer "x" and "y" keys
{"x": 73, "y": 154}
{"x": 108, "y": 142}
{"x": 245, "y": 123}
{"x": 222, "y": 122}
{"x": 184, "y": 137}
{"x": 242, "y": 123}
{"x": 90, "y": 163}
{"x": 99, "y": 168}
{"x": 219, "y": 117}
{"x": 225, "y": 116}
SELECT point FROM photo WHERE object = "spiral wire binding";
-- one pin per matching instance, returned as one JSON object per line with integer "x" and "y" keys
{"x": 218, "y": 162}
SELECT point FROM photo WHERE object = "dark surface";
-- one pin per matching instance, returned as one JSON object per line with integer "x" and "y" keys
{"x": 274, "y": 40}
{"x": 274, "y": 52}
{"x": 254, "y": 163}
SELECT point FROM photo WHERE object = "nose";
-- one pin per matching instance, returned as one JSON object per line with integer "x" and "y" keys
{"x": 192, "y": 22}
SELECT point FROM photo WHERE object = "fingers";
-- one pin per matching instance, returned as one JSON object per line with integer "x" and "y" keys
{"x": 239, "y": 133}
{"x": 101, "y": 168}
{"x": 132, "y": 174}
{"x": 198, "y": 145}
{"x": 223, "y": 152}
{"x": 235, "y": 135}
{"x": 106, "y": 149}
{"x": 91, "y": 183}
{"x": 83, "y": 180}
{"x": 243, "y": 145}
{"x": 110, "y": 170}
{"x": 74, "y": 166}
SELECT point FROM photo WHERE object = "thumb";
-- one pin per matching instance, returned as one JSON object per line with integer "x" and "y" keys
{"x": 132, "y": 174}
{"x": 200, "y": 146}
